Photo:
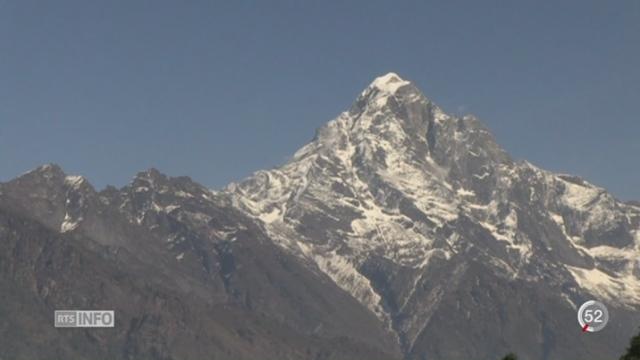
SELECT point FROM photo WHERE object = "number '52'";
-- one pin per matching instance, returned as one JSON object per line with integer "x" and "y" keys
{"x": 591, "y": 316}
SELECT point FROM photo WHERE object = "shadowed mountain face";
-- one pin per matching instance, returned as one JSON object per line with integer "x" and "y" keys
{"x": 398, "y": 232}
{"x": 188, "y": 277}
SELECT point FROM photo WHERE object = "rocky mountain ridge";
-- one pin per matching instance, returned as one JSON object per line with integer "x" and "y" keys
{"x": 399, "y": 231}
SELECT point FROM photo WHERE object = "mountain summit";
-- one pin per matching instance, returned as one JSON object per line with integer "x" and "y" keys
{"x": 389, "y": 82}
{"x": 398, "y": 232}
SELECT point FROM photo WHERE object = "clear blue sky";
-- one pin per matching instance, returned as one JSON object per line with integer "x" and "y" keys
{"x": 218, "y": 89}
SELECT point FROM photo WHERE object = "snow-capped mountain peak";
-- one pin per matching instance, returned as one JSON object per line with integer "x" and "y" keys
{"x": 388, "y": 83}
{"x": 397, "y": 180}
{"x": 388, "y": 91}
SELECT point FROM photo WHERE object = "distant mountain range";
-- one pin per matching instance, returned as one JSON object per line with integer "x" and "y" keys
{"x": 398, "y": 232}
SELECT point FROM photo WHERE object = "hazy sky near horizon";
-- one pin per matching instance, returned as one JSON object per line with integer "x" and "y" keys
{"x": 216, "y": 90}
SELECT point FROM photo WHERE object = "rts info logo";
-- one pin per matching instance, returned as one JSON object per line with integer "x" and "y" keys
{"x": 84, "y": 318}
